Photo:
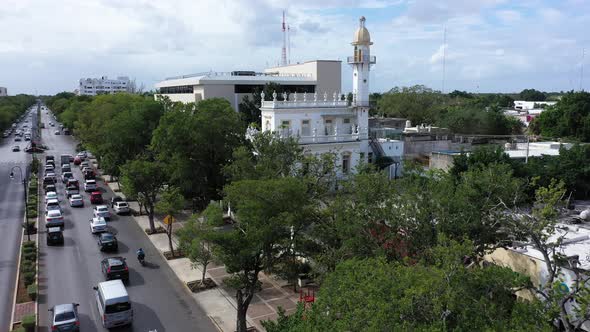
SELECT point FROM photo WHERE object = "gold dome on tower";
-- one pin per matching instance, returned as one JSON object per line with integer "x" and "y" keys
{"x": 362, "y": 36}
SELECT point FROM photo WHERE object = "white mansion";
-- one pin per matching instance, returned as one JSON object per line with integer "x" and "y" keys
{"x": 323, "y": 122}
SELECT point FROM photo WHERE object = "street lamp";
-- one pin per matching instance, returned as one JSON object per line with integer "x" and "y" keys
{"x": 24, "y": 181}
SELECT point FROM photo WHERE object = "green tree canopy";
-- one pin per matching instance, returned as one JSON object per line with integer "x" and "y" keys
{"x": 532, "y": 95}
{"x": 569, "y": 118}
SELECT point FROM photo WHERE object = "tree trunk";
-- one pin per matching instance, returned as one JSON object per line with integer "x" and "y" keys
{"x": 241, "y": 325}
{"x": 150, "y": 211}
{"x": 169, "y": 233}
{"x": 204, "y": 272}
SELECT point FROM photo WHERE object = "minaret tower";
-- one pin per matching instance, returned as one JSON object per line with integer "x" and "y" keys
{"x": 361, "y": 62}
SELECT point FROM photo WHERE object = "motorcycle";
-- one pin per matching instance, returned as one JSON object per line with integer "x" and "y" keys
{"x": 141, "y": 259}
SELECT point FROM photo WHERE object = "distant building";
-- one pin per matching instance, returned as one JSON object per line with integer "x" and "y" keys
{"x": 103, "y": 85}
{"x": 313, "y": 76}
{"x": 522, "y": 105}
{"x": 3, "y": 92}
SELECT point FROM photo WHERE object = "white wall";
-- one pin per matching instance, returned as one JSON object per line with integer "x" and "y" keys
{"x": 3, "y": 92}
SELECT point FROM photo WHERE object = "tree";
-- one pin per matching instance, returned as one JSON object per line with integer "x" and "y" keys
{"x": 443, "y": 292}
{"x": 170, "y": 204}
{"x": 143, "y": 179}
{"x": 418, "y": 104}
{"x": 268, "y": 213}
{"x": 569, "y": 118}
{"x": 532, "y": 95}
{"x": 194, "y": 142}
{"x": 249, "y": 108}
{"x": 193, "y": 237}
{"x": 540, "y": 228}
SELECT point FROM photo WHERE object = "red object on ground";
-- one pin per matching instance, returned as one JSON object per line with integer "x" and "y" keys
{"x": 77, "y": 161}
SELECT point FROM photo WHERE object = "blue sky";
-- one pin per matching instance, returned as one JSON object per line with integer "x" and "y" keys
{"x": 492, "y": 45}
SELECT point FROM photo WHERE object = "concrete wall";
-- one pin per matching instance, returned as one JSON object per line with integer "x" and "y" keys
{"x": 181, "y": 97}
{"x": 442, "y": 161}
{"x": 225, "y": 91}
{"x": 3, "y": 92}
{"x": 327, "y": 73}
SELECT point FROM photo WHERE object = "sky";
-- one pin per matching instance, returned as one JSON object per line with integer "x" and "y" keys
{"x": 46, "y": 46}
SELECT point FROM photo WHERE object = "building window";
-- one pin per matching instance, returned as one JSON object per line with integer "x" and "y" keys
{"x": 345, "y": 164}
{"x": 177, "y": 89}
{"x": 285, "y": 128}
{"x": 305, "y": 128}
{"x": 328, "y": 128}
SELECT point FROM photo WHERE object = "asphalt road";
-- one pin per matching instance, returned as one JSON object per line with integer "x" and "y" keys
{"x": 68, "y": 273}
{"x": 11, "y": 217}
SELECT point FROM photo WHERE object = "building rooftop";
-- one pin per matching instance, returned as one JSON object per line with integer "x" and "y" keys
{"x": 234, "y": 78}
{"x": 536, "y": 149}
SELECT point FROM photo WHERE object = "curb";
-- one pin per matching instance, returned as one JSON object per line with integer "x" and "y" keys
{"x": 20, "y": 252}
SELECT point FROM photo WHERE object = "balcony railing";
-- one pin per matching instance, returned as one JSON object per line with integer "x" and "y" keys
{"x": 303, "y": 104}
{"x": 350, "y": 134}
{"x": 370, "y": 59}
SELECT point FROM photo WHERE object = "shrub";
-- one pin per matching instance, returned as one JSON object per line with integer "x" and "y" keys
{"x": 32, "y": 212}
{"x": 32, "y": 291}
{"x": 28, "y": 322}
{"x": 30, "y": 256}
{"x": 19, "y": 329}
{"x": 29, "y": 244}
{"x": 29, "y": 249}
{"x": 29, "y": 278}
{"x": 27, "y": 266}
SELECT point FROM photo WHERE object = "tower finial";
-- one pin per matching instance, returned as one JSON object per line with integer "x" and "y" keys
{"x": 362, "y": 21}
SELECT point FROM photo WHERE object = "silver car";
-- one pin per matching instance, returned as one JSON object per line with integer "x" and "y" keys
{"x": 65, "y": 317}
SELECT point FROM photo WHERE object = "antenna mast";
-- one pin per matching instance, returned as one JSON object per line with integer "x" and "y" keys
{"x": 288, "y": 44}
{"x": 582, "y": 70}
{"x": 444, "y": 58}
{"x": 284, "y": 50}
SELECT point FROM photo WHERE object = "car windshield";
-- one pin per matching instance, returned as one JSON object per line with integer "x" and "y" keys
{"x": 103, "y": 209}
{"x": 107, "y": 237}
{"x": 54, "y": 213}
{"x": 76, "y": 197}
{"x": 122, "y": 204}
{"x": 117, "y": 307}
{"x": 64, "y": 316}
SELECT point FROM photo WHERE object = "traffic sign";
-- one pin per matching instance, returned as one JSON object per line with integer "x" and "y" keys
{"x": 169, "y": 220}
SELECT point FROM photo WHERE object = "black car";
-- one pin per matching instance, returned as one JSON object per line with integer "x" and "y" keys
{"x": 115, "y": 199}
{"x": 107, "y": 241}
{"x": 55, "y": 236}
{"x": 115, "y": 268}
{"x": 50, "y": 187}
{"x": 89, "y": 175}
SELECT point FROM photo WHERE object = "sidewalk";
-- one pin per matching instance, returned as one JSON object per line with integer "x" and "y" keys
{"x": 219, "y": 303}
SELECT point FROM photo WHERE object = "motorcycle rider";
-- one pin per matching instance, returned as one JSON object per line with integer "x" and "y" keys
{"x": 140, "y": 254}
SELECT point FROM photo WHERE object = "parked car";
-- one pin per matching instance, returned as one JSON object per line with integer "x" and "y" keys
{"x": 86, "y": 169}
{"x": 65, "y": 176}
{"x": 64, "y": 317}
{"x": 47, "y": 180}
{"x": 66, "y": 168}
{"x": 115, "y": 199}
{"x": 54, "y": 218}
{"x": 85, "y": 163}
{"x": 54, "y": 236}
{"x": 96, "y": 197}
{"x": 49, "y": 168}
{"x": 98, "y": 225}
{"x": 89, "y": 175}
{"x": 73, "y": 183}
{"x": 101, "y": 211}
{"x": 72, "y": 190}
{"x": 17, "y": 139}
{"x": 90, "y": 185}
{"x": 115, "y": 268}
{"x": 50, "y": 187}
{"x": 107, "y": 241}
{"x": 52, "y": 204}
{"x": 16, "y": 148}
{"x": 121, "y": 208}
{"x": 49, "y": 157}
{"x": 52, "y": 175}
{"x": 77, "y": 160}
{"x": 51, "y": 195}
{"x": 57, "y": 132}
{"x": 76, "y": 200}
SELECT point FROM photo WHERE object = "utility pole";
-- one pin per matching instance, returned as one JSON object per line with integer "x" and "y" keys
{"x": 444, "y": 58}
{"x": 526, "y": 158}
{"x": 284, "y": 49}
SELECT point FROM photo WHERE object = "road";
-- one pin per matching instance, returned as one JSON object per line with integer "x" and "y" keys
{"x": 68, "y": 273}
{"x": 11, "y": 218}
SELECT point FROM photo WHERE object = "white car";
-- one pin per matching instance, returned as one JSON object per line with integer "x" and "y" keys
{"x": 121, "y": 207}
{"x": 52, "y": 204}
{"x": 81, "y": 155}
{"x": 51, "y": 175}
{"x": 98, "y": 225}
{"x": 51, "y": 195}
{"x": 49, "y": 168}
{"x": 101, "y": 211}
{"x": 54, "y": 218}
{"x": 90, "y": 185}
{"x": 76, "y": 200}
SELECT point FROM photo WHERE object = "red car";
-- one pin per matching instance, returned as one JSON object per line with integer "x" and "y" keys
{"x": 73, "y": 183}
{"x": 96, "y": 197}
{"x": 77, "y": 161}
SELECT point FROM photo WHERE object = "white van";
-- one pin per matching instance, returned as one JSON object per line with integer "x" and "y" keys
{"x": 113, "y": 304}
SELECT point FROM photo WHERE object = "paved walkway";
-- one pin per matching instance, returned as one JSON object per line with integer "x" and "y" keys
{"x": 23, "y": 309}
{"x": 219, "y": 303}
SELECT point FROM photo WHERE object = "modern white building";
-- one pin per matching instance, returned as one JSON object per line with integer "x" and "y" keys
{"x": 103, "y": 85}
{"x": 309, "y": 77}
{"x": 322, "y": 121}
{"x": 529, "y": 105}
{"x": 3, "y": 92}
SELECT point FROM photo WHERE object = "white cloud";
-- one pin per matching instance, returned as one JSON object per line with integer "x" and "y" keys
{"x": 509, "y": 16}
